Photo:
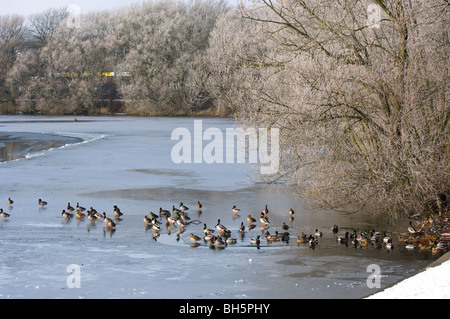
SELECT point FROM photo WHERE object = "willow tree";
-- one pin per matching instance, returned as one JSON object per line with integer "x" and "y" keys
{"x": 359, "y": 91}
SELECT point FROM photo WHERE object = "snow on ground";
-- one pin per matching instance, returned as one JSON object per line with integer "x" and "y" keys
{"x": 432, "y": 283}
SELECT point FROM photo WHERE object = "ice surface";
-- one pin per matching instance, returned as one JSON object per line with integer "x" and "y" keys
{"x": 126, "y": 161}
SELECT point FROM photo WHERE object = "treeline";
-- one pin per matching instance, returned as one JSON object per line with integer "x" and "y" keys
{"x": 358, "y": 88}
{"x": 147, "y": 59}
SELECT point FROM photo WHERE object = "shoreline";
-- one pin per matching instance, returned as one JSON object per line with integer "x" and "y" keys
{"x": 19, "y": 145}
{"x": 397, "y": 284}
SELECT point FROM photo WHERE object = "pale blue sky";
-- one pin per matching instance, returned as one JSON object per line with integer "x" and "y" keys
{"x": 26, "y": 7}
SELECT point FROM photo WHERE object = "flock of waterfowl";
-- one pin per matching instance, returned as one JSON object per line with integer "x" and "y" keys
{"x": 220, "y": 236}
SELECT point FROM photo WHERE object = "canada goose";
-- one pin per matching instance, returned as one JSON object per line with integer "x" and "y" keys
{"x": 42, "y": 203}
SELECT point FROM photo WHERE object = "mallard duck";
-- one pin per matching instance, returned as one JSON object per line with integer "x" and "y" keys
{"x": 363, "y": 241}
{"x": 80, "y": 207}
{"x": 70, "y": 208}
{"x": 335, "y": 229}
{"x": 185, "y": 217}
{"x": 264, "y": 220}
{"x": 389, "y": 244}
{"x": 117, "y": 212}
{"x": 251, "y": 220}
{"x": 199, "y": 205}
{"x": 312, "y": 242}
{"x": 410, "y": 246}
{"x": 207, "y": 230}
{"x": 147, "y": 220}
{"x": 209, "y": 237}
{"x": 153, "y": 215}
{"x": 111, "y": 224}
{"x": 42, "y": 203}
{"x": 80, "y": 215}
{"x": 284, "y": 226}
{"x": 97, "y": 215}
{"x": 411, "y": 229}
{"x": 271, "y": 237}
{"x": 220, "y": 227}
{"x": 230, "y": 241}
{"x": 343, "y": 239}
{"x": 183, "y": 207}
{"x": 170, "y": 220}
{"x": 66, "y": 215}
{"x": 218, "y": 241}
{"x": 291, "y": 212}
{"x": 255, "y": 241}
{"x": 106, "y": 219}
{"x": 175, "y": 210}
{"x": 194, "y": 238}
{"x": 265, "y": 211}
{"x": 302, "y": 239}
{"x": 180, "y": 223}
{"x": 242, "y": 228}
{"x": 285, "y": 237}
{"x": 4, "y": 214}
{"x": 10, "y": 202}
{"x": 235, "y": 209}
{"x": 163, "y": 212}
{"x": 318, "y": 233}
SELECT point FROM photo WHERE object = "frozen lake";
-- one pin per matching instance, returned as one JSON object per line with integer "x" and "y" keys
{"x": 126, "y": 161}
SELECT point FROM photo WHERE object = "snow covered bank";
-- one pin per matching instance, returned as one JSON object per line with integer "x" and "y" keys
{"x": 432, "y": 283}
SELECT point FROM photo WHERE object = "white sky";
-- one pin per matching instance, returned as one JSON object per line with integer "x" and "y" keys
{"x": 27, "y": 7}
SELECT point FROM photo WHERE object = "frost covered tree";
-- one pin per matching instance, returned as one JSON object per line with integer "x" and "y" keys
{"x": 359, "y": 92}
{"x": 11, "y": 42}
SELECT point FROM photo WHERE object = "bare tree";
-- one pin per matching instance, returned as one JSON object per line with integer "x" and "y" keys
{"x": 42, "y": 25}
{"x": 11, "y": 40}
{"x": 361, "y": 106}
